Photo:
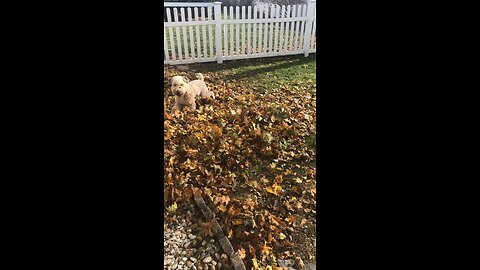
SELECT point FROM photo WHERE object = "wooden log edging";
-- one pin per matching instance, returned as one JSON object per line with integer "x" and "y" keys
{"x": 219, "y": 235}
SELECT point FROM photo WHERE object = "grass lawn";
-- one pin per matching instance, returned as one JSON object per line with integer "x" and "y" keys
{"x": 290, "y": 73}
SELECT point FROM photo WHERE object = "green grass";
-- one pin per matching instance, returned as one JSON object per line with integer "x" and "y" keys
{"x": 291, "y": 72}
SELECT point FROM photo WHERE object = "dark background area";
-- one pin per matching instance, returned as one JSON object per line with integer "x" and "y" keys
{"x": 84, "y": 151}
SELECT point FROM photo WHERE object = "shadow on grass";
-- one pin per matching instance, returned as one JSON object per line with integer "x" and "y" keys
{"x": 245, "y": 70}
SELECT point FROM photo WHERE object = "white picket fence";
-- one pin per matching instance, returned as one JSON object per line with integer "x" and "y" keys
{"x": 206, "y": 34}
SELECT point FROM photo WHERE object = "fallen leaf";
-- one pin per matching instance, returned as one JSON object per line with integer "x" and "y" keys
{"x": 275, "y": 189}
{"x": 172, "y": 208}
{"x": 242, "y": 253}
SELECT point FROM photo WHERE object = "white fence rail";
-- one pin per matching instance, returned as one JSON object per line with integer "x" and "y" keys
{"x": 202, "y": 32}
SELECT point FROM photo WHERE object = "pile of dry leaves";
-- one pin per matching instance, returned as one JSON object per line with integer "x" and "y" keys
{"x": 253, "y": 156}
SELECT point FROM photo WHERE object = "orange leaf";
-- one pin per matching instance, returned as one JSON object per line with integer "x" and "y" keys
{"x": 266, "y": 249}
{"x": 242, "y": 253}
{"x": 237, "y": 222}
{"x": 222, "y": 208}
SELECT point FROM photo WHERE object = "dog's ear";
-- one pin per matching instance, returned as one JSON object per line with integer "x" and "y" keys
{"x": 185, "y": 79}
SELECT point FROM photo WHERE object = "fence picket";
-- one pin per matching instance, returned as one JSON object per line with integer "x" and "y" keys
{"x": 282, "y": 24}
{"x": 243, "y": 31}
{"x": 292, "y": 28}
{"x": 237, "y": 31}
{"x": 277, "y": 15}
{"x": 190, "y": 30}
{"x": 197, "y": 34}
{"x": 225, "y": 33}
{"x": 255, "y": 10}
{"x": 204, "y": 34}
{"x": 177, "y": 32}
{"x": 210, "y": 18}
{"x": 265, "y": 37}
{"x": 249, "y": 26}
{"x": 184, "y": 31}
{"x": 165, "y": 47}
{"x": 170, "y": 33}
{"x": 287, "y": 30}
{"x": 270, "y": 42}
{"x": 232, "y": 48}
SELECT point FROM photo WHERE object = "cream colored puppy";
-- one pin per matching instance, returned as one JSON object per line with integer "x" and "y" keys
{"x": 185, "y": 92}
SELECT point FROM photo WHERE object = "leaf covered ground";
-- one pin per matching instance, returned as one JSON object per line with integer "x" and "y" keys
{"x": 252, "y": 153}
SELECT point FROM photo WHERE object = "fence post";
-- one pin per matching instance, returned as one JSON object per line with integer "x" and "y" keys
{"x": 218, "y": 30}
{"x": 308, "y": 28}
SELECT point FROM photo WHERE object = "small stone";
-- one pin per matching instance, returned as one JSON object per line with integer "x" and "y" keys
{"x": 212, "y": 267}
{"x": 299, "y": 263}
{"x": 193, "y": 259}
{"x": 184, "y": 259}
{"x": 217, "y": 256}
{"x": 207, "y": 259}
{"x": 284, "y": 263}
{"x": 212, "y": 241}
{"x": 214, "y": 263}
{"x": 204, "y": 243}
{"x": 191, "y": 236}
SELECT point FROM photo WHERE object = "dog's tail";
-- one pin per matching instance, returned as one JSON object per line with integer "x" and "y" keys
{"x": 199, "y": 76}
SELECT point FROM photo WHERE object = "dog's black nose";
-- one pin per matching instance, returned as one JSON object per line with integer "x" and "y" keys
{"x": 178, "y": 94}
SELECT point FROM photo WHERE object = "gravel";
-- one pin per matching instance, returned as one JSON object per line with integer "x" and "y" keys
{"x": 185, "y": 249}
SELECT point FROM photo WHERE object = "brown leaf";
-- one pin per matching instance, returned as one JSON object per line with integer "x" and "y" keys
{"x": 249, "y": 204}
{"x": 207, "y": 229}
{"x": 252, "y": 251}
{"x": 276, "y": 220}
{"x": 303, "y": 222}
{"x": 233, "y": 211}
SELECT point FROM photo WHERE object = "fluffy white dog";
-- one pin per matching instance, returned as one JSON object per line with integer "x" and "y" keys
{"x": 185, "y": 92}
